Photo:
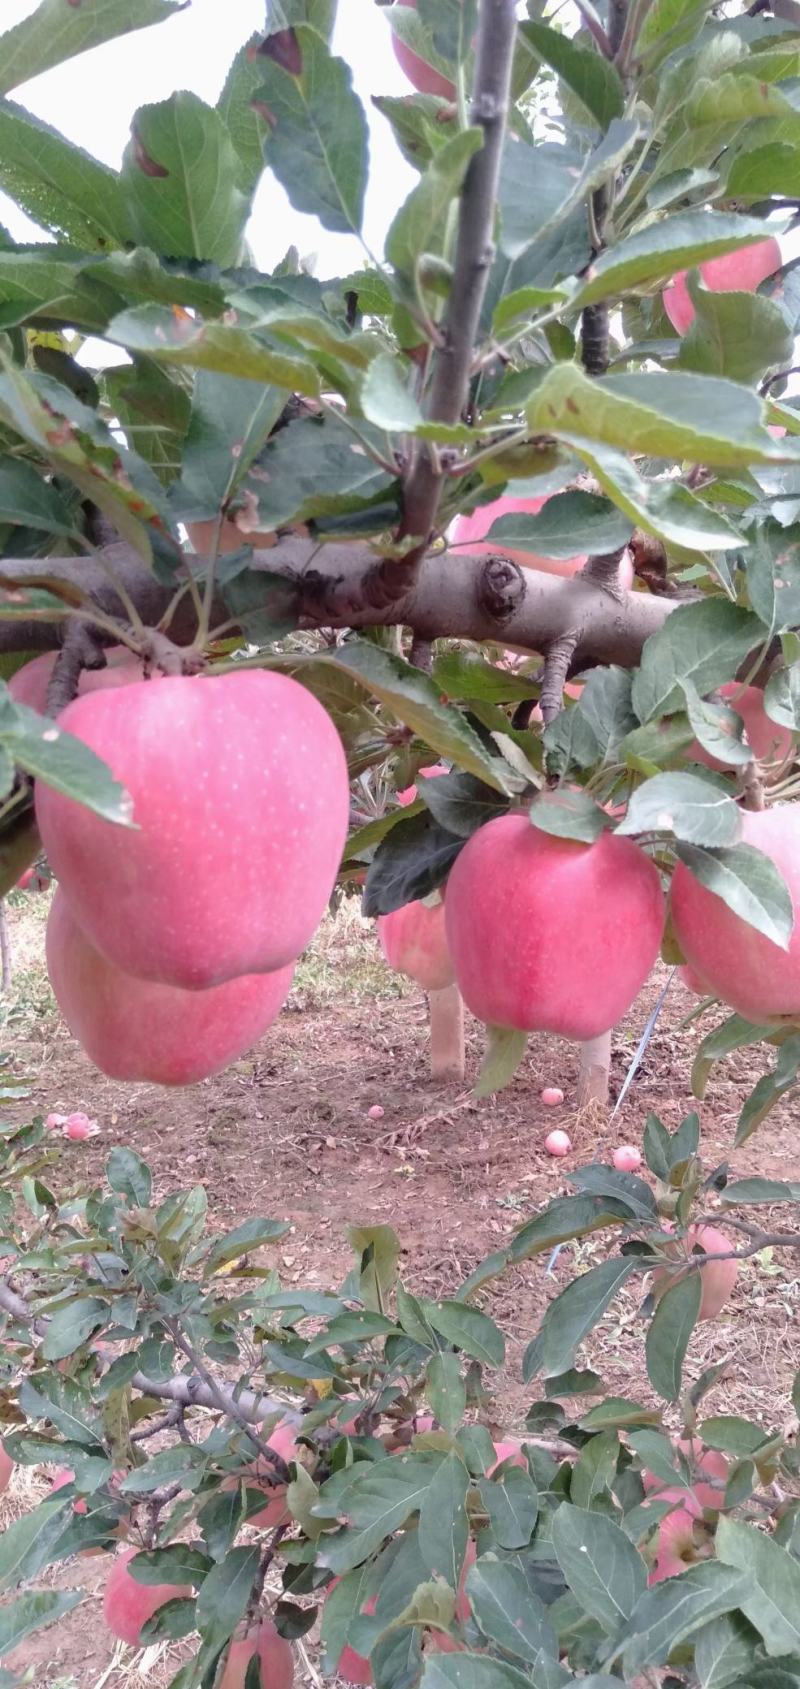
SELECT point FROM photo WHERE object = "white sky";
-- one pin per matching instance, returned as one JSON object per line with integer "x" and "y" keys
{"x": 92, "y": 99}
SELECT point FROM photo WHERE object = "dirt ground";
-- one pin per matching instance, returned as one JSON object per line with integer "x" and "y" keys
{"x": 286, "y": 1132}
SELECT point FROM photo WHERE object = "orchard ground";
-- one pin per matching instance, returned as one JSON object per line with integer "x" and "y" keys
{"x": 286, "y": 1132}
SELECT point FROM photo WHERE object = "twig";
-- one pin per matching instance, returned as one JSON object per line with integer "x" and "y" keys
{"x": 751, "y": 786}
{"x": 558, "y": 657}
{"x": 264, "y": 1565}
{"x": 225, "y": 1401}
{"x": 82, "y": 649}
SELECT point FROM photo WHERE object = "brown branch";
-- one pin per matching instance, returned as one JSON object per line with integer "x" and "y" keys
{"x": 82, "y": 649}
{"x": 452, "y": 360}
{"x": 226, "y": 1400}
{"x": 604, "y": 570}
{"x": 453, "y": 597}
{"x": 556, "y": 668}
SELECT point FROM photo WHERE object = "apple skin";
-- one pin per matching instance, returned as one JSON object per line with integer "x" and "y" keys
{"x": 127, "y": 1605}
{"x": 274, "y": 1655}
{"x": 706, "y": 1463}
{"x": 29, "y": 684}
{"x": 422, "y": 76}
{"x": 241, "y": 800}
{"x": 693, "y": 982}
{"x": 768, "y": 741}
{"x": 735, "y": 272}
{"x": 756, "y": 977}
{"x": 409, "y": 793}
{"x": 675, "y": 1543}
{"x": 6, "y": 1469}
{"x": 284, "y": 1442}
{"x": 136, "y": 1030}
{"x": 414, "y": 943}
{"x": 475, "y": 527}
{"x": 717, "y": 1279}
{"x": 547, "y": 935}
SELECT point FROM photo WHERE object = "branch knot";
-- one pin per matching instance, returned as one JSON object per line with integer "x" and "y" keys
{"x": 502, "y": 588}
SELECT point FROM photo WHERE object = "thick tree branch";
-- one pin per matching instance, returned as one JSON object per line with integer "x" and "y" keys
{"x": 453, "y": 597}
{"x": 452, "y": 360}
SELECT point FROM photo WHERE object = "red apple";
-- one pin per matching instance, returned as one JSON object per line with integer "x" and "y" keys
{"x": 29, "y": 684}
{"x": 240, "y": 799}
{"x": 705, "y": 1464}
{"x": 548, "y": 935}
{"x": 284, "y": 1442}
{"x": 409, "y": 793}
{"x": 127, "y": 1605}
{"x": 768, "y": 742}
{"x": 717, "y": 1278}
{"x": 675, "y": 1543}
{"x": 422, "y": 76}
{"x": 735, "y": 272}
{"x": 274, "y": 1657}
{"x": 6, "y": 1469}
{"x": 413, "y": 942}
{"x": 756, "y": 977}
{"x": 469, "y": 535}
{"x": 26, "y": 879}
{"x": 133, "y": 1029}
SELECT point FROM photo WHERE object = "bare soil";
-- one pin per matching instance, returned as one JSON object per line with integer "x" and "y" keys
{"x": 286, "y": 1132}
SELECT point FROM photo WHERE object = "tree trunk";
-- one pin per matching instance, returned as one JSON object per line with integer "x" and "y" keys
{"x": 447, "y": 1033}
{"x": 594, "y": 1070}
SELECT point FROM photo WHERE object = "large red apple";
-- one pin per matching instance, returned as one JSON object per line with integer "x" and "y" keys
{"x": 735, "y": 272}
{"x": 274, "y": 1657}
{"x": 676, "y": 1547}
{"x": 135, "y": 1029}
{"x": 422, "y": 76}
{"x": 469, "y": 535}
{"x": 414, "y": 943}
{"x": 717, "y": 1278}
{"x": 283, "y": 1441}
{"x": 768, "y": 742}
{"x": 756, "y": 977}
{"x": 240, "y": 799}
{"x": 548, "y": 935}
{"x": 127, "y": 1605}
{"x": 29, "y": 684}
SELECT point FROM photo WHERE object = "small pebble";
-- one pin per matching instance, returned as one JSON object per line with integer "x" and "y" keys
{"x": 552, "y": 1097}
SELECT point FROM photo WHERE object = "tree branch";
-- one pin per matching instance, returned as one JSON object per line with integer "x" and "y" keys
{"x": 453, "y": 597}
{"x": 82, "y": 649}
{"x": 452, "y": 361}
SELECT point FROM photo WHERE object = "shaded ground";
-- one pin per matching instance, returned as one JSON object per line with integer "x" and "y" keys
{"x": 286, "y": 1132}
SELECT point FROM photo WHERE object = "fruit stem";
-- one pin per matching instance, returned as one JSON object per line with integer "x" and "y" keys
{"x": 447, "y": 1033}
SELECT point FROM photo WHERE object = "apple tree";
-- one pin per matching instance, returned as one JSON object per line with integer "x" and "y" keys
{"x": 513, "y": 504}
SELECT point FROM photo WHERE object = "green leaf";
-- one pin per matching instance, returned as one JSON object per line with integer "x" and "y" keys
{"x": 386, "y": 397}
{"x": 60, "y": 760}
{"x": 573, "y": 1314}
{"x": 468, "y": 1329}
{"x": 246, "y": 127}
{"x": 656, "y": 253}
{"x": 595, "y": 1469}
{"x": 128, "y": 1174}
{"x": 537, "y": 194}
{"x": 761, "y": 171}
{"x": 225, "y": 410}
{"x": 70, "y": 1326}
{"x": 771, "y": 1598}
{"x": 172, "y": 338}
{"x": 416, "y": 226}
{"x": 317, "y": 141}
{"x": 224, "y": 1594}
{"x": 753, "y": 1192}
{"x": 446, "y": 1391}
{"x": 669, "y": 1612}
{"x": 180, "y": 176}
{"x": 769, "y": 1090}
{"x": 568, "y": 815}
{"x": 378, "y": 1248}
{"x": 739, "y": 335}
{"x": 512, "y": 1503}
{"x": 750, "y": 884}
{"x": 414, "y": 698}
{"x": 30, "y": 501}
{"x": 782, "y": 697}
{"x": 471, "y": 1671}
{"x": 690, "y": 807}
{"x": 733, "y": 1435}
{"x": 717, "y": 727}
{"x": 584, "y": 70}
{"x": 251, "y": 1234}
{"x": 569, "y": 523}
{"x": 509, "y": 1612}
{"x": 170, "y": 1622}
{"x": 773, "y": 579}
{"x": 465, "y": 675}
{"x": 668, "y": 1335}
{"x": 564, "y": 1218}
{"x": 603, "y": 1569}
{"x": 32, "y": 1611}
{"x": 58, "y": 184}
{"x": 663, "y": 508}
{"x": 55, "y": 33}
{"x": 376, "y": 1498}
{"x": 505, "y": 1049}
{"x": 26, "y": 1544}
{"x": 177, "y": 1563}
{"x": 33, "y": 286}
{"x": 735, "y": 1033}
{"x": 724, "y": 1650}
{"x": 670, "y": 414}
{"x": 443, "y": 1523}
{"x": 65, "y": 1403}
{"x": 460, "y": 802}
{"x": 704, "y": 643}
{"x": 358, "y": 1326}
{"x": 413, "y": 860}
